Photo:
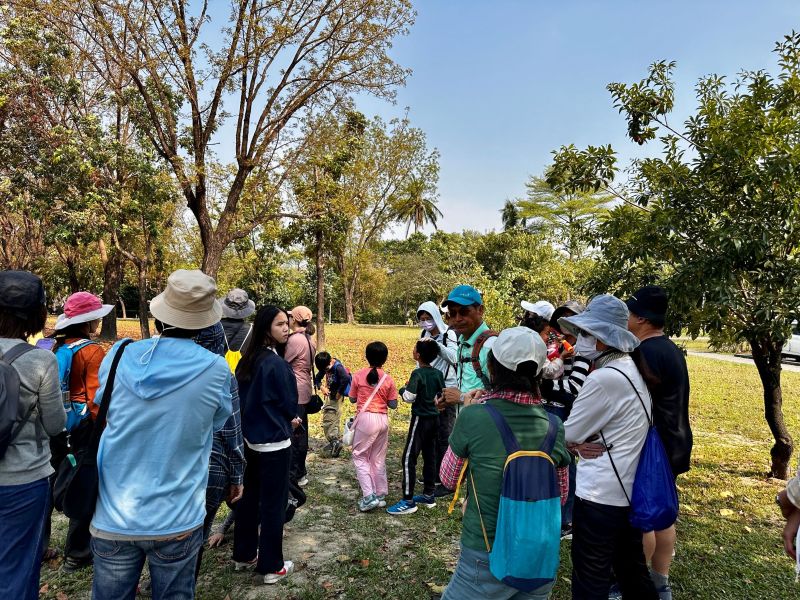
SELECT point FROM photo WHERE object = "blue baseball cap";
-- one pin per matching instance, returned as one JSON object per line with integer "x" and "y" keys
{"x": 465, "y": 295}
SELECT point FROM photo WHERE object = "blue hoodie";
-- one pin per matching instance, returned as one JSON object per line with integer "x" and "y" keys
{"x": 154, "y": 453}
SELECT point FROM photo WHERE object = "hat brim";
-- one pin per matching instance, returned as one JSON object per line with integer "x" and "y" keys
{"x": 184, "y": 319}
{"x": 243, "y": 313}
{"x": 461, "y": 301}
{"x": 557, "y": 314}
{"x": 610, "y": 334}
{"x": 64, "y": 321}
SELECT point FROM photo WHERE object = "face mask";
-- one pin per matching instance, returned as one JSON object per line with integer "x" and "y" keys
{"x": 427, "y": 325}
{"x": 586, "y": 346}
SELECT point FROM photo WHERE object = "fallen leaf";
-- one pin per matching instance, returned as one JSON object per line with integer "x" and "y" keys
{"x": 342, "y": 558}
{"x": 44, "y": 589}
{"x": 748, "y": 530}
{"x": 435, "y": 588}
{"x": 726, "y": 494}
{"x": 364, "y": 562}
{"x": 327, "y": 585}
{"x": 725, "y": 512}
{"x": 61, "y": 596}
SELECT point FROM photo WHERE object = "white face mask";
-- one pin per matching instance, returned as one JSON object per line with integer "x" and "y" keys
{"x": 427, "y": 325}
{"x": 586, "y": 346}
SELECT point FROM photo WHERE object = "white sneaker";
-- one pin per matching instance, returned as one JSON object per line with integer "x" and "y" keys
{"x": 245, "y": 566}
{"x": 303, "y": 481}
{"x": 288, "y": 567}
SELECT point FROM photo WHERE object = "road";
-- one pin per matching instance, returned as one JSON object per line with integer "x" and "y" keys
{"x": 788, "y": 365}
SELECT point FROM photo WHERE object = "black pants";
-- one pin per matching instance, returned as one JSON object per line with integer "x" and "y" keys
{"x": 602, "y": 539}
{"x": 299, "y": 447}
{"x": 421, "y": 438}
{"x": 76, "y": 545}
{"x": 447, "y": 418}
{"x": 266, "y": 491}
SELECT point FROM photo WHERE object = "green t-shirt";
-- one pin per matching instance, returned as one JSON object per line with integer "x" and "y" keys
{"x": 426, "y": 383}
{"x": 475, "y": 436}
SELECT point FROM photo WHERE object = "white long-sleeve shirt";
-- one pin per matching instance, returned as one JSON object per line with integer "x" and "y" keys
{"x": 607, "y": 402}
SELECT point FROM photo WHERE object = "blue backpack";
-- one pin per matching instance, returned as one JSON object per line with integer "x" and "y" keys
{"x": 77, "y": 412}
{"x": 654, "y": 497}
{"x": 527, "y": 537}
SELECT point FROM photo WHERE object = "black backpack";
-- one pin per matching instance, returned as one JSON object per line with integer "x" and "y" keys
{"x": 10, "y": 423}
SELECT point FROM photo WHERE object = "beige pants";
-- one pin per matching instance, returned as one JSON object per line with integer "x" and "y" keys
{"x": 331, "y": 418}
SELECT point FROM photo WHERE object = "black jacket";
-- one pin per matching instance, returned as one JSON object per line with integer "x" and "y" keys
{"x": 268, "y": 400}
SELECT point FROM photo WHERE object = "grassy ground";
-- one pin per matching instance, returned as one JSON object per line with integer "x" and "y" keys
{"x": 729, "y": 531}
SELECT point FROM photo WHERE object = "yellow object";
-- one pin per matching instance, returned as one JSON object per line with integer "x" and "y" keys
{"x": 232, "y": 357}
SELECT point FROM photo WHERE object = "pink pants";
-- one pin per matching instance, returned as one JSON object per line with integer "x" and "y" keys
{"x": 370, "y": 443}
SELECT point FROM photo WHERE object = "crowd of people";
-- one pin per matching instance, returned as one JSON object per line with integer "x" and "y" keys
{"x": 542, "y": 423}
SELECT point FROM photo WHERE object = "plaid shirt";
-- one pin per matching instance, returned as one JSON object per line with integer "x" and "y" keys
{"x": 452, "y": 465}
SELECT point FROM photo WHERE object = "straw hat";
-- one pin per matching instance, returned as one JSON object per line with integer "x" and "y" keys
{"x": 188, "y": 302}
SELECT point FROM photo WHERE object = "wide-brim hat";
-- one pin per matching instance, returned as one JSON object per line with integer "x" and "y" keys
{"x": 188, "y": 302}
{"x": 606, "y": 319}
{"x": 237, "y": 305}
{"x": 82, "y": 307}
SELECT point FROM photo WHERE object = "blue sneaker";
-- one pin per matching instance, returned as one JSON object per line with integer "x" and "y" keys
{"x": 404, "y": 507}
{"x": 426, "y": 501}
{"x": 367, "y": 503}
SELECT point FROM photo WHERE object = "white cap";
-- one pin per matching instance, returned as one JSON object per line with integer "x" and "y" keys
{"x": 517, "y": 345}
{"x": 542, "y": 308}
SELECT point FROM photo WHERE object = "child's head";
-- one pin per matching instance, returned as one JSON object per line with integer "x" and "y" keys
{"x": 376, "y": 353}
{"x": 426, "y": 351}
{"x": 322, "y": 361}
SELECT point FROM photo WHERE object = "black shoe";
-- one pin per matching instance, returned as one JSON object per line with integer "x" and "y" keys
{"x": 440, "y": 491}
{"x": 566, "y": 532}
{"x": 336, "y": 448}
{"x": 71, "y": 565}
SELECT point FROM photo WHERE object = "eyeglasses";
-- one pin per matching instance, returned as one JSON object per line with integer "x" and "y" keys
{"x": 464, "y": 311}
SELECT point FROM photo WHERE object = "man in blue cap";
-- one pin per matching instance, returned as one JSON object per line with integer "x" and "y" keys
{"x": 475, "y": 339}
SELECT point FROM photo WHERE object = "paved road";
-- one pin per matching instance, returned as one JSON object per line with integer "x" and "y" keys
{"x": 788, "y": 365}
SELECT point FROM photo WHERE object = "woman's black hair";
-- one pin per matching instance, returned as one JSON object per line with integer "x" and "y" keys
{"x": 524, "y": 379}
{"x": 651, "y": 380}
{"x": 534, "y": 321}
{"x": 260, "y": 339}
{"x": 168, "y": 331}
{"x": 19, "y": 323}
{"x": 322, "y": 361}
{"x": 78, "y": 330}
{"x": 376, "y": 353}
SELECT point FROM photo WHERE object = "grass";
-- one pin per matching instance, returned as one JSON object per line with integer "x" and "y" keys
{"x": 729, "y": 542}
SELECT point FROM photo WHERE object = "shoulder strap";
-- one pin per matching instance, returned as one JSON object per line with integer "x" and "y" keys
{"x": 15, "y": 352}
{"x": 475, "y": 357}
{"x": 78, "y": 344}
{"x": 100, "y": 422}
{"x": 509, "y": 440}
{"x": 375, "y": 391}
{"x": 247, "y": 335}
{"x": 311, "y": 362}
{"x": 613, "y": 466}
{"x": 549, "y": 441}
{"x": 649, "y": 416}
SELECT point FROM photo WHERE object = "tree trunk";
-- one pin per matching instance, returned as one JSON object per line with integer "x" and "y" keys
{"x": 124, "y": 310}
{"x": 767, "y": 357}
{"x": 348, "y": 304}
{"x": 144, "y": 321}
{"x": 112, "y": 279}
{"x": 320, "y": 273}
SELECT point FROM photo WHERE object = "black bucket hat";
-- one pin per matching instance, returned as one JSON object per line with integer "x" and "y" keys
{"x": 21, "y": 291}
{"x": 569, "y": 306}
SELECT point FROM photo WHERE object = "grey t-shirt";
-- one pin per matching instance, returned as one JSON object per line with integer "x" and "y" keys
{"x": 28, "y": 457}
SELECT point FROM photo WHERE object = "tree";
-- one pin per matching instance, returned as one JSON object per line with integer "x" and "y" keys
{"x": 417, "y": 202}
{"x": 510, "y": 216}
{"x": 716, "y": 218}
{"x": 570, "y": 218}
{"x": 276, "y": 62}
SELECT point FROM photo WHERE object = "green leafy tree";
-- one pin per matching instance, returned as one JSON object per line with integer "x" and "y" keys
{"x": 569, "y": 218}
{"x": 417, "y": 201}
{"x": 718, "y": 217}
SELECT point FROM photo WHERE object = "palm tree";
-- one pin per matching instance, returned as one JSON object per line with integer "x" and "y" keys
{"x": 510, "y": 216}
{"x": 417, "y": 206}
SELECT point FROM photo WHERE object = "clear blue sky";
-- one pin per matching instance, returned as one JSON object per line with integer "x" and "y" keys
{"x": 499, "y": 84}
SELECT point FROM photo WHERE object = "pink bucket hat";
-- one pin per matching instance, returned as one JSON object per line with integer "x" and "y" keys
{"x": 82, "y": 307}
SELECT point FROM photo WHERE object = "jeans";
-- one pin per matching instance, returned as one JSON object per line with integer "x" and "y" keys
{"x": 118, "y": 566}
{"x": 22, "y": 512}
{"x": 266, "y": 492}
{"x": 472, "y": 579}
{"x": 216, "y": 492}
{"x": 299, "y": 446}
{"x": 602, "y": 539}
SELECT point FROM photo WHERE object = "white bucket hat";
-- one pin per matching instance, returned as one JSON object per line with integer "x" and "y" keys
{"x": 542, "y": 308}
{"x": 188, "y": 302}
{"x": 606, "y": 318}
{"x": 517, "y": 345}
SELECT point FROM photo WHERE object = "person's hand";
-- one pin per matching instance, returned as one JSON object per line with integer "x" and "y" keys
{"x": 296, "y": 422}
{"x": 568, "y": 352}
{"x": 235, "y": 493}
{"x": 790, "y": 533}
{"x": 324, "y": 389}
{"x": 451, "y": 396}
{"x": 215, "y": 539}
{"x": 587, "y": 450}
{"x": 473, "y": 397}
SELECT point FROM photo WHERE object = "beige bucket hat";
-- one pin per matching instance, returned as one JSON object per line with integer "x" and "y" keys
{"x": 189, "y": 301}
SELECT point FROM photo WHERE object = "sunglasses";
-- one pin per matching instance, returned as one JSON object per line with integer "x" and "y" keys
{"x": 463, "y": 311}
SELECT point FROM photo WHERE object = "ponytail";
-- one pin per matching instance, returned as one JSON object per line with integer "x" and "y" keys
{"x": 372, "y": 376}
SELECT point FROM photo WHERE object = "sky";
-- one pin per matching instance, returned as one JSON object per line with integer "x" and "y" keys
{"x": 497, "y": 85}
